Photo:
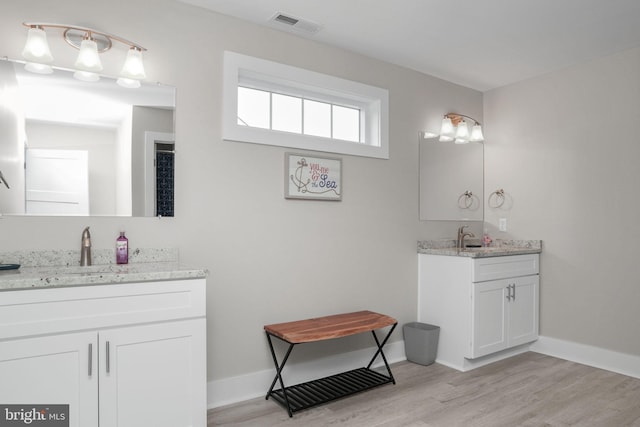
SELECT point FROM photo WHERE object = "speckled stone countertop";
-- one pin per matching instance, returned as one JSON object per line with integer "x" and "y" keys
{"x": 47, "y": 269}
{"x": 499, "y": 247}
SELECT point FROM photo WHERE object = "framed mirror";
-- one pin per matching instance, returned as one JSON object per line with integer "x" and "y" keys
{"x": 451, "y": 181}
{"x": 69, "y": 147}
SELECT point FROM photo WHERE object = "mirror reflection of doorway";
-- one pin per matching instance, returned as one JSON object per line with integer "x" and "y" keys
{"x": 57, "y": 182}
{"x": 159, "y": 173}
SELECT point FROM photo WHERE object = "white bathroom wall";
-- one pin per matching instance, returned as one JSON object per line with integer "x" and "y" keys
{"x": 270, "y": 259}
{"x": 123, "y": 165}
{"x": 565, "y": 148}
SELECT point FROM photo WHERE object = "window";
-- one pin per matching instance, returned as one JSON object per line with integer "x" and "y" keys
{"x": 275, "y": 111}
{"x": 275, "y": 104}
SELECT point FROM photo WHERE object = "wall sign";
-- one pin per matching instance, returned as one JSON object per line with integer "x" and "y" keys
{"x": 312, "y": 178}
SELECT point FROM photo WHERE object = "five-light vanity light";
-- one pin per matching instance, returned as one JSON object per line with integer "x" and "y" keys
{"x": 90, "y": 43}
{"x": 455, "y": 128}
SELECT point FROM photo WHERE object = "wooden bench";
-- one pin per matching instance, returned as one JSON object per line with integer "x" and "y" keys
{"x": 316, "y": 392}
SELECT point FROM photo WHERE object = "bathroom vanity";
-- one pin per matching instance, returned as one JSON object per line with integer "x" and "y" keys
{"x": 121, "y": 345}
{"x": 485, "y": 300}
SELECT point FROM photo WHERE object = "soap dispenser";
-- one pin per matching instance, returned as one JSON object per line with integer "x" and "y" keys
{"x": 122, "y": 249}
{"x": 486, "y": 239}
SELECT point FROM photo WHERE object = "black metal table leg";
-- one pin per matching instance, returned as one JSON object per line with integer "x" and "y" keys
{"x": 381, "y": 353}
{"x": 278, "y": 376}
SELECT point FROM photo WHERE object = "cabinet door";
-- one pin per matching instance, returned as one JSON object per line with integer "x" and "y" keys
{"x": 153, "y": 375}
{"x": 523, "y": 311}
{"x": 56, "y": 369}
{"x": 489, "y": 329}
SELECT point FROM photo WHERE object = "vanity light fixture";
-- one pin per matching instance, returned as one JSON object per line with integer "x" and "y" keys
{"x": 455, "y": 128}
{"x": 90, "y": 44}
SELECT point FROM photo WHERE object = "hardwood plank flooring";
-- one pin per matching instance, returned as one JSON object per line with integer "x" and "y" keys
{"x": 527, "y": 390}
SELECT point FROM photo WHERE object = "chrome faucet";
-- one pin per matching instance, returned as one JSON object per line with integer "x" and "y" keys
{"x": 85, "y": 248}
{"x": 461, "y": 236}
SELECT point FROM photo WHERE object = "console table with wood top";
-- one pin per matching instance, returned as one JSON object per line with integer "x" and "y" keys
{"x": 316, "y": 392}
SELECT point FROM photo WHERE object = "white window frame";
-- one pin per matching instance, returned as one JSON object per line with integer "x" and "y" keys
{"x": 248, "y": 71}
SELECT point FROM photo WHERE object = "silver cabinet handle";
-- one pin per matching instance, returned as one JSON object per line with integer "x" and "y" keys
{"x": 90, "y": 358}
{"x": 108, "y": 361}
{"x": 511, "y": 292}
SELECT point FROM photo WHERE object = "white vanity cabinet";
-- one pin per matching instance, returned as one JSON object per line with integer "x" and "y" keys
{"x": 52, "y": 369}
{"x": 120, "y": 355}
{"x": 487, "y": 307}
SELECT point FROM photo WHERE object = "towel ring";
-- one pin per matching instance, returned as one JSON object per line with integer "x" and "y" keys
{"x": 465, "y": 201}
{"x": 497, "y": 197}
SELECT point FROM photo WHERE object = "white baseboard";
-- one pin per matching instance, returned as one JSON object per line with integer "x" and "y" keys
{"x": 244, "y": 387}
{"x": 609, "y": 360}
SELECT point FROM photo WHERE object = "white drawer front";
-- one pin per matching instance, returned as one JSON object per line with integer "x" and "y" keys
{"x": 44, "y": 311}
{"x": 502, "y": 267}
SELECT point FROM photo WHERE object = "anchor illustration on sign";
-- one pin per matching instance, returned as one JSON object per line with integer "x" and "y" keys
{"x": 303, "y": 186}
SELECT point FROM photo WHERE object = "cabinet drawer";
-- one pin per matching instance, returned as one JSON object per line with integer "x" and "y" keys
{"x": 45, "y": 311}
{"x": 504, "y": 266}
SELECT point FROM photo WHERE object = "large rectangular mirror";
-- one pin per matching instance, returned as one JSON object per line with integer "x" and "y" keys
{"x": 69, "y": 147}
{"x": 451, "y": 181}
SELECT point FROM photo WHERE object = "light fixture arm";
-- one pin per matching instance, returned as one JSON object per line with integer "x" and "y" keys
{"x": 88, "y": 31}
{"x": 457, "y": 118}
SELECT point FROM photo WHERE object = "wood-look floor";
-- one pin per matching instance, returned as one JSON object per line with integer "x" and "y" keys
{"x": 527, "y": 390}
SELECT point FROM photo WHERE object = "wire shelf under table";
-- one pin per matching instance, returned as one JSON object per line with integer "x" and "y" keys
{"x": 323, "y": 390}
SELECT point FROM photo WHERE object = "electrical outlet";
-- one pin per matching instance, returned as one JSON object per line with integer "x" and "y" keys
{"x": 502, "y": 225}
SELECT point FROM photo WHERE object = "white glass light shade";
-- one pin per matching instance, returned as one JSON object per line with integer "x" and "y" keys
{"x": 476, "y": 134}
{"x": 462, "y": 131}
{"x": 86, "y": 76}
{"x": 445, "y": 138}
{"x": 38, "y": 68}
{"x": 37, "y": 49}
{"x": 133, "y": 67}
{"x": 461, "y": 141}
{"x": 88, "y": 57}
{"x": 446, "y": 129}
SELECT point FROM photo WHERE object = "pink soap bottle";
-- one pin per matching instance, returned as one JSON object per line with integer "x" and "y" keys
{"x": 122, "y": 249}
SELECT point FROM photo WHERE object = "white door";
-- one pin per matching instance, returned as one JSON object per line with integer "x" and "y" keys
{"x": 52, "y": 370}
{"x": 523, "y": 311}
{"x": 489, "y": 328}
{"x": 153, "y": 375}
{"x": 57, "y": 182}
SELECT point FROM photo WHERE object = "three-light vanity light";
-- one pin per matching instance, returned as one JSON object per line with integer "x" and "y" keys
{"x": 90, "y": 44}
{"x": 455, "y": 128}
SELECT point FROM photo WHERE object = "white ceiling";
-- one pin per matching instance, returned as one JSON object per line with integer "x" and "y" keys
{"x": 482, "y": 44}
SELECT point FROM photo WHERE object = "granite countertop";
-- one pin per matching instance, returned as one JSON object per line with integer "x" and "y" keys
{"x": 499, "y": 247}
{"x": 48, "y": 269}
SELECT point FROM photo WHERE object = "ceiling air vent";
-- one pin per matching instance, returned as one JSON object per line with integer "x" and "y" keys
{"x": 294, "y": 23}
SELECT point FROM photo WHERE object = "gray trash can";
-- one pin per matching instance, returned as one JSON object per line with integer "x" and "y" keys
{"x": 421, "y": 342}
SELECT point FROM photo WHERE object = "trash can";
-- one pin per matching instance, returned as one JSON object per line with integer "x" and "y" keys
{"x": 421, "y": 342}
